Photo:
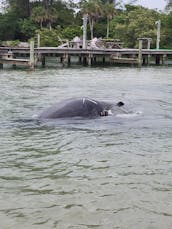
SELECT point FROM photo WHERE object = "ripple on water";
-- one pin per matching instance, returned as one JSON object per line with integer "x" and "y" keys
{"x": 113, "y": 172}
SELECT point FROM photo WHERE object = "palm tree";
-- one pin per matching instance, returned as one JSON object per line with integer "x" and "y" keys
{"x": 109, "y": 12}
{"x": 93, "y": 9}
{"x": 47, "y": 16}
{"x": 50, "y": 16}
{"x": 38, "y": 15}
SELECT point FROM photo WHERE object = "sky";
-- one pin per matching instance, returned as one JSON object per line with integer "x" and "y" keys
{"x": 152, "y": 4}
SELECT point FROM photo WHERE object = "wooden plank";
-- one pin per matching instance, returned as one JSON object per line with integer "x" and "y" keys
{"x": 124, "y": 60}
{"x": 15, "y": 61}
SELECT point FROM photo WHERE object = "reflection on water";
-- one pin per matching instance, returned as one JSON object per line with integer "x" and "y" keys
{"x": 110, "y": 172}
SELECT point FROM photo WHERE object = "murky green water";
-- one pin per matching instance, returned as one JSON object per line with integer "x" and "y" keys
{"x": 114, "y": 172}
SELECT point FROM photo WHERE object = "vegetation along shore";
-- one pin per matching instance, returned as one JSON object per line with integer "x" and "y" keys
{"x": 56, "y": 21}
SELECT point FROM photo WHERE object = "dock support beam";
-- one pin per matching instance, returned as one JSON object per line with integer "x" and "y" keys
{"x": 104, "y": 60}
{"x": 164, "y": 57}
{"x": 157, "y": 59}
{"x": 80, "y": 59}
{"x": 65, "y": 60}
{"x": 90, "y": 60}
{"x": 43, "y": 60}
{"x": 84, "y": 60}
{"x": 1, "y": 66}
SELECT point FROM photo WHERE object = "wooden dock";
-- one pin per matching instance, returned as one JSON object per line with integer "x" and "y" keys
{"x": 14, "y": 61}
{"x": 31, "y": 58}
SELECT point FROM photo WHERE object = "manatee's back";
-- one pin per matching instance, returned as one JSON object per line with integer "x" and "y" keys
{"x": 82, "y": 107}
{"x": 66, "y": 108}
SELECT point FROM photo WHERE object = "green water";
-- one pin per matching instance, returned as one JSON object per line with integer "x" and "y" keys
{"x": 112, "y": 172}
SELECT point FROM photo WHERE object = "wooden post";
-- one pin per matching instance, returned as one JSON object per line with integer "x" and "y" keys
{"x": 38, "y": 56}
{"x": 65, "y": 60}
{"x": 69, "y": 60}
{"x": 103, "y": 59}
{"x": 32, "y": 61}
{"x": 144, "y": 60}
{"x": 84, "y": 60}
{"x": 85, "y": 18}
{"x": 140, "y": 51}
{"x": 149, "y": 42}
{"x": 164, "y": 57}
{"x": 80, "y": 59}
{"x": 38, "y": 40}
{"x": 90, "y": 59}
{"x": 158, "y": 24}
{"x": 94, "y": 59}
{"x": 157, "y": 60}
{"x": 43, "y": 61}
{"x": 1, "y": 66}
{"x": 61, "y": 59}
{"x": 148, "y": 59}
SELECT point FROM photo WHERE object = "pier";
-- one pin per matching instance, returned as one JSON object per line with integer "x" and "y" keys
{"x": 32, "y": 57}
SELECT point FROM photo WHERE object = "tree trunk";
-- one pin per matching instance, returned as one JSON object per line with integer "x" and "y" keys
{"x": 49, "y": 25}
{"x": 45, "y": 2}
{"x": 108, "y": 25}
{"x": 91, "y": 22}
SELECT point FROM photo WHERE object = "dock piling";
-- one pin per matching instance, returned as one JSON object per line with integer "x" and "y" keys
{"x": 32, "y": 61}
{"x": 85, "y": 18}
{"x": 140, "y": 51}
{"x": 43, "y": 60}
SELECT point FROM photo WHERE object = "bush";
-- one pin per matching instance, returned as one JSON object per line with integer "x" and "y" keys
{"x": 14, "y": 43}
{"x": 48, "y": 38}
{"x": 72, "y": 31}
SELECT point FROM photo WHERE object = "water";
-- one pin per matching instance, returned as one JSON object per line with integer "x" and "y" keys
{"x": 113, "y": 172}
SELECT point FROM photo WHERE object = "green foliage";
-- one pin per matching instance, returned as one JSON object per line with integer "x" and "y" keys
{"x": 14, "y": 43}
{"x": 166, "y": 35}
{"x": 8, "y": 26}
{"x": 26, "y": 29}
{"x": 72, "y": 31}
{"x": 56, "y": 18}
{"x": 100, "y": 29}
{"x": 49, "y": 38}
{"x": 38, "y": 14}
{"x": 135, "y": 23}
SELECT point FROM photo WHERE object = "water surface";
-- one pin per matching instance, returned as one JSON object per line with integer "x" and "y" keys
{"x": 112, "y": 172}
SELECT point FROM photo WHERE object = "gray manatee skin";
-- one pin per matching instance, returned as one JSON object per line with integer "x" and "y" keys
{"x": 79, "y": 107}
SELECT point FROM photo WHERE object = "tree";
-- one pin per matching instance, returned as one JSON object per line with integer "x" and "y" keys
{"x": 169, "y": 5}
{"x": 38, "y": 15}
{"x": 21, "y": 7}
{"x": 166, "y": 30}
{"x": 26, "y": 29}
{"x": 93, "y": 9}
{"x": 109, "y": 12}
{"x": 133, "y": 23}
{"x": 50, "y": 16}
{"x": 8, "y": 26}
